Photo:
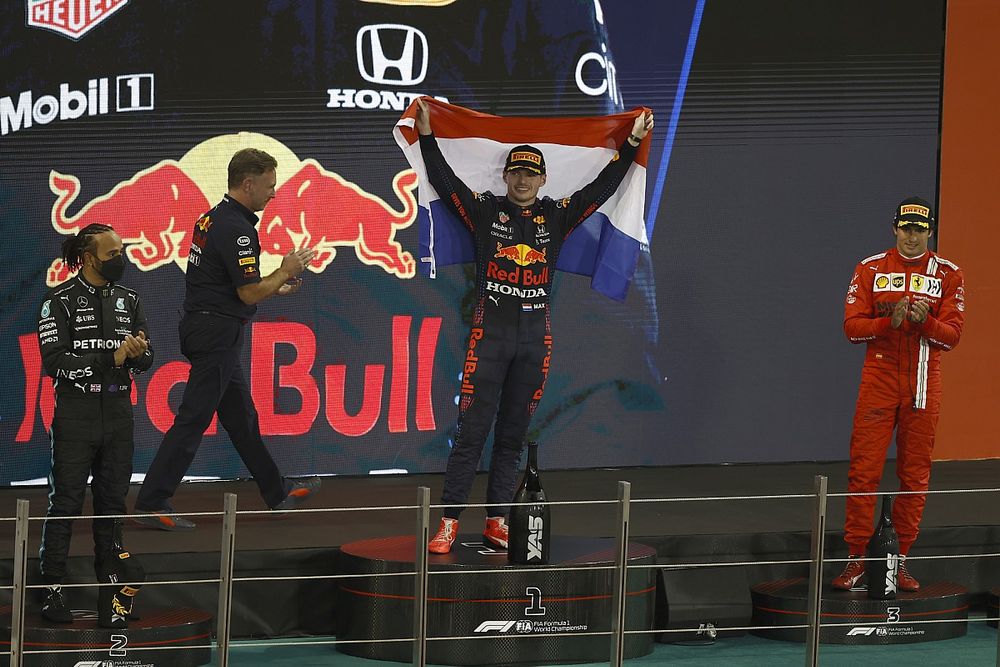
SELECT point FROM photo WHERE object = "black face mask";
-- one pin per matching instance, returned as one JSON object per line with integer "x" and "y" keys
{"x": 112, "y": 269}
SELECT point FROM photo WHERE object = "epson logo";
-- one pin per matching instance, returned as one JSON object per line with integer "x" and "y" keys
{"x": 535, "y": 526}
{"x": 133, "y": 92}
{"x": 392, "y": 54}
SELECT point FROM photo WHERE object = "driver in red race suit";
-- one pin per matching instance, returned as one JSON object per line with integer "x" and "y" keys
{"x": 908, "y": 305}
{"x": 517, "y": 239}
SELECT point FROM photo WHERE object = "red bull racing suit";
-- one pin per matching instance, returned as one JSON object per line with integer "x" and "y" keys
{"x": 900, "y": 382}
{"x": 79, "y": 328}
{"x": 510, "y": 342}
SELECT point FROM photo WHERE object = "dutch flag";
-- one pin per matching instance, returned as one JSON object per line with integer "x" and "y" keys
{"x": 605, "y": 246}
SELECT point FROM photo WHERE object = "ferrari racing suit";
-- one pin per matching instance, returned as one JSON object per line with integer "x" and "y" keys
{"x": 900, "y": 382}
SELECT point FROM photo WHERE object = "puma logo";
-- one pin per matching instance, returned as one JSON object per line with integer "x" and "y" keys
{"x": 494, "y": 300}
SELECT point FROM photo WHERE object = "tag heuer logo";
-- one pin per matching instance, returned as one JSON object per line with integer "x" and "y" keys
{"x": 71, "y": 18}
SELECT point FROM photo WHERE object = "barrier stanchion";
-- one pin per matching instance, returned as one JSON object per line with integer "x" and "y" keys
{"x": 816, "y": 574}
{"x": 621, "y": 576}
{"x": 226, "y": 578}
{"x": 420, "y": 582}
{"x": 20, "y": 584}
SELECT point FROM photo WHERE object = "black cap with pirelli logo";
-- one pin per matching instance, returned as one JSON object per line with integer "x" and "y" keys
{"x": 525, "y": 157}
{"x": 914, "y": 211}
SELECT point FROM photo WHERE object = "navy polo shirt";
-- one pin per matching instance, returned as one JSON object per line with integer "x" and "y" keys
{"x": 225, "y": 255}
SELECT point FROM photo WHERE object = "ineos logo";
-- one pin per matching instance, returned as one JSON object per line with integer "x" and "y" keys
{"x": 407, "y": 69}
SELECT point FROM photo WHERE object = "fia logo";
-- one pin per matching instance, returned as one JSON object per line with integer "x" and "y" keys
{"x": 535, "y": 528}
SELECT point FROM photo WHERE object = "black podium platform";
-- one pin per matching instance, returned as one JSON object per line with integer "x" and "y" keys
{"x": 861, "y": 620}
{"x": 520, "y": 617}
{"x": 993, "y": 606}
{"x": 157, "y": 639}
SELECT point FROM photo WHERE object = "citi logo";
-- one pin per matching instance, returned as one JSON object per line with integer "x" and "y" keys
{"x": 407, "y": 64}
{"x": 535, "y": 528}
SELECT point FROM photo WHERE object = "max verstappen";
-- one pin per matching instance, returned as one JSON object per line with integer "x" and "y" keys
{"x": 907, "y": 305}
{"x": 517, "y": 238}
{"x": 92, "y": 335}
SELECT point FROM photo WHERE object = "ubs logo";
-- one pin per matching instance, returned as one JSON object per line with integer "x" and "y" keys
{"x": 393, "y": 54}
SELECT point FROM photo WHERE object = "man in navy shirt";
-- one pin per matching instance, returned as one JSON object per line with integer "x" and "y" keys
{"x": 224, "y": 286}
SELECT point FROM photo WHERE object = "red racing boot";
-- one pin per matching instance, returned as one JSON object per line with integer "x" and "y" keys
{"x": 496, "y": 531}
{"x": 905, "y": 580}
{"x": 441, "y": 543}
{"x": 852, "y": 574}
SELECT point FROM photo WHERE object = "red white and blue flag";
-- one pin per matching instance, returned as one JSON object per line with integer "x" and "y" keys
{"x": 605, "y": 246}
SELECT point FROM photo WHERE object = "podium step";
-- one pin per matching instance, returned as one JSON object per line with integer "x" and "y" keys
{"x": 856, "y": 619}
{"x": 158, "y": 638}
{"x": 517, "y": 613}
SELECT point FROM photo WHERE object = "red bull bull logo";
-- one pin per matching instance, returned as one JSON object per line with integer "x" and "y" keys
{"x": 521, "y": 254}
{"x": 156, "y": 211}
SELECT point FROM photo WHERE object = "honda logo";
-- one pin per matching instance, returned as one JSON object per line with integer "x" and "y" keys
{"x": 388, "y": 53}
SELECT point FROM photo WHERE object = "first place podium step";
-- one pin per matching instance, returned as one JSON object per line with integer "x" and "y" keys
{"x": 158, "y": 638}
{"x": 516, "y": 616}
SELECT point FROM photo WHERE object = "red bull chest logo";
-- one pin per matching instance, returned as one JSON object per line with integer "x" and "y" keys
{"x": 71, "y": 18}
{"x": 521, "y": 254}
{"x": 157, "y": 211}
{"x": 518, "y": 276}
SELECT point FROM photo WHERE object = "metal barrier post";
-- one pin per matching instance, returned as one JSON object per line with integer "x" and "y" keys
{"x": 226, "y": 578}
{"x": 621, "y": 576}
{"x": 816, "y": 574}
{"x": 20, "y": 584}
{"x": 420, "y": 583}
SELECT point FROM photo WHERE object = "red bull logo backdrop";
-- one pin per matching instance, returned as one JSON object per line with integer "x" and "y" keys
{"x": 127, "y": 112}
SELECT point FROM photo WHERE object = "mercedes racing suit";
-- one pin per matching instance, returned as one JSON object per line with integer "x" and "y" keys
{"x": 900, "y": 382}
{"x": 510, "y": 342}
{"x": 79, "y": 328}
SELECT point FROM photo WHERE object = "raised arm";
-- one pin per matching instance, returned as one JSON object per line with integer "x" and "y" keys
{"x": 453, "y": 192}
{"x": 588, "y": 199}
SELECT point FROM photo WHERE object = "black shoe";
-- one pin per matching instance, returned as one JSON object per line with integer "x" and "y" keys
{"x": 301, "y": 491}
{"x": 54, "y": 608}
{"x": 164, "y": 520}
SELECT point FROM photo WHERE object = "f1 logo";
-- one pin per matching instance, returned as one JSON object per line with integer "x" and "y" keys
{"x": 867, "y": 632}
{"x": 499, "y": 626}
{"x": 408, "y": 69}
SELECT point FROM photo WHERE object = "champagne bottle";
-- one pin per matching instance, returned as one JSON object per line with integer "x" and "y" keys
{"x": 529, "y": 525}
{"x": 882, "y": 556}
